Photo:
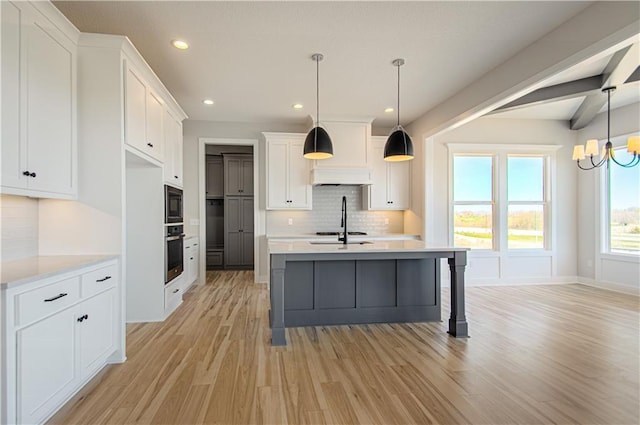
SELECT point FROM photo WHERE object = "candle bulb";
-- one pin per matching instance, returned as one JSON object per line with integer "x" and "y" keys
{"x": 633, "y": 144}
{"x": 592, "y": 147}
{"x": 578, "y": 152}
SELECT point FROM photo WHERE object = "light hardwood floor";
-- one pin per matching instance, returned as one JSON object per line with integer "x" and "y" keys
{"x": 537, "y": 354}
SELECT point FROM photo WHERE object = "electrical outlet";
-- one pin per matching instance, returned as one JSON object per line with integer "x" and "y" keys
{"x": 290, "y": 221}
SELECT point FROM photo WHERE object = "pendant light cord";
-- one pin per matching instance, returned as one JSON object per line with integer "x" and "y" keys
{"x": 608, "y": 115}
{"x": 317, "y": 91}
{"x": 398, "y": 95}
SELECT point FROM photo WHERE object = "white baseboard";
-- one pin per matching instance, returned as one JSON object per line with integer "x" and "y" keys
{"x": 611, "y": 286}
{"x": 515, "y": 281}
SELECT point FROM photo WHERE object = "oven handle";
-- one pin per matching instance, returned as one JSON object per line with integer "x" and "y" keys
{"x": 174, "y": 238}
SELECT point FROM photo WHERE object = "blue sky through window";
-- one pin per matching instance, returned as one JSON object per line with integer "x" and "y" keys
{"x": 525, "y": 178}
{"x": 625, "y": 187}
{"x": 472, "y": 178}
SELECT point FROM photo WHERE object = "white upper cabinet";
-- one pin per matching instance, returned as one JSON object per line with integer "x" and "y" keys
{"x": 350, "y": 144}
{"x": 287, "y": 172}
{"x": 38, "y": 105}
{"x": 144, "y": 112}
{"x": 172, "y": 150}
{"x": 391, "y": 185}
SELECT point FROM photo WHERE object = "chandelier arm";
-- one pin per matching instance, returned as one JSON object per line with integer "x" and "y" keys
{"x": 634, "y": 161}
{"x": 599, "y": 164}
{"x": 584, "y": 168}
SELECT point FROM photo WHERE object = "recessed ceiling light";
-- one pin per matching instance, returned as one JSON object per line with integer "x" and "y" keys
{"x": 297, "y": 106}
{"x": 179, "y": 44}
{"x": 208, "y": 102}
{"x": 388, "y": 110}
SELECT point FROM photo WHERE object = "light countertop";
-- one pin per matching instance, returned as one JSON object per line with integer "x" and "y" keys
{"x": 26, "y": 270}
{"x": 306, "y": 247}
{"x": 369, "y": 237}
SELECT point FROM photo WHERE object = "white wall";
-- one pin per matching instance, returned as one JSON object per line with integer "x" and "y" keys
{"x": 611, "y": 271}
{"x": 19, "y": 227}
{"x": 507, "y": 131}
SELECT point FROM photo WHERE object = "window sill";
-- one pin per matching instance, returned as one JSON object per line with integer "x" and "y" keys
{"x": 627, "y": 258}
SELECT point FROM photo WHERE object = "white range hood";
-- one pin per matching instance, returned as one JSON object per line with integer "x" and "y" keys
{"x": 351, "y": 150}
{"x": 355, "y": 176}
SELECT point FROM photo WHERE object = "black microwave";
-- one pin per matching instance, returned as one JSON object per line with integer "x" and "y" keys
{"x": 172, "y": 205}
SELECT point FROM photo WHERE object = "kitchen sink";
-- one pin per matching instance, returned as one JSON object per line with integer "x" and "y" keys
{"x": 340, "y": 243}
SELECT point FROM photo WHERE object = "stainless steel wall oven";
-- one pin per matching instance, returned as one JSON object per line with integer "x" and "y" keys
{"x": 173, "y": 257}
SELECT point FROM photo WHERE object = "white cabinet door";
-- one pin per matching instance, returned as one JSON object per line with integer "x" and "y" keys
{"x": 155, "y": 112}
{"x": 172, "y": 150}
{"x": 135, "y": 110}
{"x": 399, "y": 185}
{"x": 144, "y": 111}
{"x": 49, "y": 111}
{"x": 46, "y": 365}
{"x": 277, "y": 196}
{"x": 287, "y": 175}
{"x": 38, "y": 105}
{"x": 14, "y": 158}
{"x": 378, "y": 199}
{"x": 96, "y": 332}
{"x": 298, "y": 177}
{"x": 391, "y": 181}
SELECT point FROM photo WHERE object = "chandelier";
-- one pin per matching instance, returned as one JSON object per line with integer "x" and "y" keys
{"x": 591, "y": 148}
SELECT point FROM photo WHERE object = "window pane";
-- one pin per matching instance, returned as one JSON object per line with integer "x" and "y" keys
{"x": 525, "y": 226}
{"x": 525, "y": 178}
{"x": 624, "y": 211}
{"x": 472, "y": 226}
{"x": 472, "y": 178}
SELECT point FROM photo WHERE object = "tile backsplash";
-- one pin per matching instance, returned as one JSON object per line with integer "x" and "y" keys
{"x": 19, "y": 227}
{"x": 326, "y": 214}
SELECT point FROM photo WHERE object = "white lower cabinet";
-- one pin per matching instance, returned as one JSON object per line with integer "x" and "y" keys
{"x": 58, "y": 348}
{"x": 46, "y": 365}
{"x": 191, "y": 261}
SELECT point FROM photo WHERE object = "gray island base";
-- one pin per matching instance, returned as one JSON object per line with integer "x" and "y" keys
{"x": 380, "y": 282}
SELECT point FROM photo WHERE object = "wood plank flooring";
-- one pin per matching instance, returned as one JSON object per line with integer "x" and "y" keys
{"x": 537, "y": 354}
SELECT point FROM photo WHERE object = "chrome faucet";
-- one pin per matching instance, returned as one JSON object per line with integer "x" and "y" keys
{"x": 343, "y": 221}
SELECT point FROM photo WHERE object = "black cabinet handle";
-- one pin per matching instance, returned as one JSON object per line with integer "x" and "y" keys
{"x": 240, "y": 230}
{"x": 175, "y": 291}
{"x": 191, "y": 258}
{"x": 57, "y": 297}
{"x": 83, "y": 318}
{"x": 240, "y": 190}
{"x": 150, "y": 145}
{"x": 103, "y": 279}
{"x": 175, "y": 177}
{"x": 28, "y": 174}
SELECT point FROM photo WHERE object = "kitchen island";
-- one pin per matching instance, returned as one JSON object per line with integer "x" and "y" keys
{"x": 329, "y": 283}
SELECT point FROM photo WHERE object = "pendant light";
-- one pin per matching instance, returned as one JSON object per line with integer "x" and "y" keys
{"x": 318, "y": 144}
{"x": 399, "y": 146}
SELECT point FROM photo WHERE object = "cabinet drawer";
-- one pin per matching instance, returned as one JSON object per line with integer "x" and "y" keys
{"x": 173, "y": 292}
{"x": 38, "y": 303}
{"x": 99, "y": 280}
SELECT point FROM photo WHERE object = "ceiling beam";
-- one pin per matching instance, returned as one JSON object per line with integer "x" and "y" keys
{"x": 563, "y": 91}
{"x": 635, "y": 77}
{"x": 598, "y": 30}
{"x": 621, "y": 66}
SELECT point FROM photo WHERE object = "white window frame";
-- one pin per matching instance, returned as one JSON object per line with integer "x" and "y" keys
{"x": 604, "y": 207}
{"x": 501, "y": 202}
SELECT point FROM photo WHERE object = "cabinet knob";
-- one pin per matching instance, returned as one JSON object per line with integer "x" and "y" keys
{"x": 175, "y": 177}
{"x": 150, "y": 145}
{"x": 28, "y": 174}
{"x": 83, "y": 318}
{"x": 191, "y": 258}
{"x": 240, "y": 230}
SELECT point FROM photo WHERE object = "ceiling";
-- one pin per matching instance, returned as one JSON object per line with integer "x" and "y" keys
{"x": 253, "y": 58}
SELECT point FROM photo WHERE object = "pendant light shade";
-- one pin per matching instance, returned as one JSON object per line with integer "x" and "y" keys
{"x": 399, "y": 146}
{"x": 318, "y": 144}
